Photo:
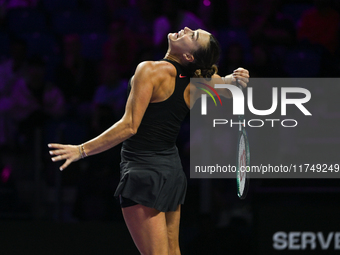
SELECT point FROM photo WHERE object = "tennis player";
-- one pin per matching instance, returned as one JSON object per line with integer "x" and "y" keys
{"x": 153, "y": 185}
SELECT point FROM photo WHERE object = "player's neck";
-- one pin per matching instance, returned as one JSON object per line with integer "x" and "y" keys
{"x": 172, "y": 57}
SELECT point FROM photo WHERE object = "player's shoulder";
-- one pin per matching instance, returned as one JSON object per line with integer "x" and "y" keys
{"x": 157, "y": 68}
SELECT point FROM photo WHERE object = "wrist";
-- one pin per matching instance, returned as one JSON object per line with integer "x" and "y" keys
{"x": 82, "y": 151}
{"x": 227, "y": 79}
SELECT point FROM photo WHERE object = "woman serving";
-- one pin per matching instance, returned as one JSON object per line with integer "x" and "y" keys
{"x": 152, "y": 186}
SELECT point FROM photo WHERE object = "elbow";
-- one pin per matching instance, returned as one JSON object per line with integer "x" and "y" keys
{"x": 129, "y": 126}
{"x": 133, "y": 131}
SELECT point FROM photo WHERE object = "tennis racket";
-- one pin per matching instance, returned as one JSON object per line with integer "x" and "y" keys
{"x": 242, "y": 159}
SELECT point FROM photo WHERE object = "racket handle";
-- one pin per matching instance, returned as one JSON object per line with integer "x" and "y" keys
{"x": 238, "y": 84}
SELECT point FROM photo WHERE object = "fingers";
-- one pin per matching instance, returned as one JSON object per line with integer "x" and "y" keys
{"x": 242, "y": 76}
{"x": 56, "y": 145}
{"x": 242, "y": 83}
{"x": 241, "y": 80}
{"x": 70, "y": 153}
{"x": 60, "y": 154}
{"x": 60, "y": 157}
{"x": 241, "y": 72}
{"x": 66, "y": 164}
{"x": 57, "y": 152}
{"x": 68, "y": 161}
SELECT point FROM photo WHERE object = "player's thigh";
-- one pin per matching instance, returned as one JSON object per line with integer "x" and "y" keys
{"x": 148, "y": 229}
{"x": 172, "y": 222}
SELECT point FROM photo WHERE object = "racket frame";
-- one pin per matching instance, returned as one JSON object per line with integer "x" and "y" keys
{"x": 243, "y": 133}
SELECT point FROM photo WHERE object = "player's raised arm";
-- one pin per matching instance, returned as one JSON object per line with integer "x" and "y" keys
{"x": 241, "y": 74}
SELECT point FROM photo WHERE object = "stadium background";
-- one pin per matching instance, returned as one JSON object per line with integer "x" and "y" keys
{"x": 63, "y": 76}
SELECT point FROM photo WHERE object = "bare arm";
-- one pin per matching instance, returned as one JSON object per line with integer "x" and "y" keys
{"x": 127, "y": 126}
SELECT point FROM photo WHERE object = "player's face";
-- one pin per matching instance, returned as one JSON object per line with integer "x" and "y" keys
{"x": 187, "y": 40}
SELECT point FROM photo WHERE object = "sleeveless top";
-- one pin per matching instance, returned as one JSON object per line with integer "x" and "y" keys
{"x": 161, "y": 122}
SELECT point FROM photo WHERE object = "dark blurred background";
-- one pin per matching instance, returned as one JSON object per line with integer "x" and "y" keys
{"x": 64, "y": 68}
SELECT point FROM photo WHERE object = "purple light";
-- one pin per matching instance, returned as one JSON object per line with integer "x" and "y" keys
{"x": 6, "y": 173}
{"x": 206, "y": 2}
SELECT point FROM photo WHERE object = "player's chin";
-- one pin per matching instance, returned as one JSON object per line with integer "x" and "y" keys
{"x": 172, "y": 36}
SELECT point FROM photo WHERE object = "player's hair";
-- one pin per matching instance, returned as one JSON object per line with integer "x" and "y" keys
{"x": 205, "y": 60}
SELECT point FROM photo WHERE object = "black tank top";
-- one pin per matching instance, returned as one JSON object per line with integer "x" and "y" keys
{"x": 162, "y": 120}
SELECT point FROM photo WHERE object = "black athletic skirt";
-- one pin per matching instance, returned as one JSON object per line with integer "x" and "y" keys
{"x": 152, "y": 178}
